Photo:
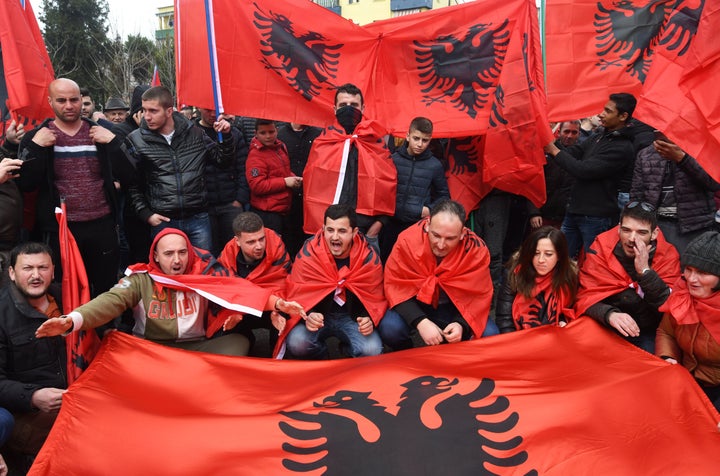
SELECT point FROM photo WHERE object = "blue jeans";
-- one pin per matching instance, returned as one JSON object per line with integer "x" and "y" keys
{"x": 581, "y": 230}
{"x": 623, "y": 199}
{"x": 395, "y": 332}
{"x": 7, "y": 422}
{"x": 645, "y": 341}
{"x": 197, "y": 228}
{"x": 304, "y": 344}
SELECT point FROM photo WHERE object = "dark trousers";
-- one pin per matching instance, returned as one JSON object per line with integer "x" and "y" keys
{"x": 97, "y": 241}
{"x": 273, "y": 220}
{"x": 221, "y": 220}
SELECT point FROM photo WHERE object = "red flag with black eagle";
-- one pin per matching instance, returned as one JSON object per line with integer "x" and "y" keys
{"x": 681, "y": 97}
{"x": 27, "y": 70}
{"x": 598, "y": 47}
{"x": 464, "y": 173}
{"x": 518, "y": 127}
{"x": 664, "y": 52}
{"x": 284, "y": 60}
{"x": 549, "y": 401}
{"x": 83, "y": 345}
{"x": 510, "y": 156}
{"x": 463, "y": 66}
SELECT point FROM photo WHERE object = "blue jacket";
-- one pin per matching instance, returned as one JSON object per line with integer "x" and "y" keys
{"x": 420, "y": 182}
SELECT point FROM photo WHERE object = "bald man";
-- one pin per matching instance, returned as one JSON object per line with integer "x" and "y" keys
{"x": 74, "y": 158}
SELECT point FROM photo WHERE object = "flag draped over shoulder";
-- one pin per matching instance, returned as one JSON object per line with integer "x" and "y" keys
{"x": 26, "y": 65}
{"x": 83, "y": 345}
{"x": 586, "y": 402}
{"x": 602, "y": 275}
{"x": 327, "y": 164}
{"x": 284, "y": 60}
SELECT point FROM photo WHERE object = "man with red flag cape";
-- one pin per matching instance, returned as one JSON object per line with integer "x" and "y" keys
{"x": 338, "y": 276}
{"x": 627, "y": 274}
{"x": 170, "y": 297}
{"x": 437, "y": 279}
{"x": 349, "y": 163}
{"x": 257, "y": 254}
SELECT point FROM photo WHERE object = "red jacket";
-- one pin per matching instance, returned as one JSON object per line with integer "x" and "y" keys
{"x": 266, "y": 169}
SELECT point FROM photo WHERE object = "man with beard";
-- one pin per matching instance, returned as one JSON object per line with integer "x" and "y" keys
{"x": 33, "y": 372}
{"x": 627, "y": 274}
{"x": 170, "y": 297}
{"x": 338, "y": 276}
{"x": 71, "y": 158}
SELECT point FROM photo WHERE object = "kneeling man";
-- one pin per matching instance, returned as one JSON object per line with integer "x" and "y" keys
{"x": 339, "y": 277}
{"x": 165, "y": 310}
{"x": 437, "y": 279}
{"x": 627, "y": 274}
{"x": 257, "y": 254}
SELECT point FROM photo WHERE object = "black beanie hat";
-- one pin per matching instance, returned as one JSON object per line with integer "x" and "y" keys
{"x": 136, "y": 103}
{"x": 703, "y": 253}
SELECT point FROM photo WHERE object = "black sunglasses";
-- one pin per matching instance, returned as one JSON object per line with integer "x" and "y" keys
{"x": 644, "y": 205}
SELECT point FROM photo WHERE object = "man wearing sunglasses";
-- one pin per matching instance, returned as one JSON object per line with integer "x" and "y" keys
{"x": 627, "y": 275}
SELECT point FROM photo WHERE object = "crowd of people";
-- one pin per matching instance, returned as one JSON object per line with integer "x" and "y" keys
{"x": 325, "y": 233}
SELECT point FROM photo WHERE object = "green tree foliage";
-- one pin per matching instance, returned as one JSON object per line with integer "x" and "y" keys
{"x": 141, "y": 54}
{"x": 76, "y": 36}
{"x": 131, "y": 63}
{"x": 76, "y": 39}
{"x": 165, "y": 60}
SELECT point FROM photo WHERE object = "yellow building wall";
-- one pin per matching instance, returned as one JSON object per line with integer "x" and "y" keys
{"x": 363, "y": 12}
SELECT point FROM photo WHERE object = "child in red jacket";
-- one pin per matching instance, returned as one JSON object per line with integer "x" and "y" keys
{"x": 269, "y": 176}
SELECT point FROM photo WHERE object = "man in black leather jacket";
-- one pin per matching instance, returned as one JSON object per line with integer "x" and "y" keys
{"x": 32, "y": 371}
{"x": 171, "y": 154}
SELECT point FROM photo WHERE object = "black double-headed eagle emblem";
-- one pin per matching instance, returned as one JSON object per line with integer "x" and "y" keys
{"x": 435, "y": 430}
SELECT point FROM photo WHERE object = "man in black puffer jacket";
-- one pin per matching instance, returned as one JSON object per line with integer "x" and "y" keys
{"x": 421, "y": 181}
{"x": 171, "y": 154}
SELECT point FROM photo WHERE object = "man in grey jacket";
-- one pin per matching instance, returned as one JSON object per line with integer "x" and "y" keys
{"x": 666, "y": 177}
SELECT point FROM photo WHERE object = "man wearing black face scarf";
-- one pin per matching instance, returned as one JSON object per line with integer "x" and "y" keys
{"x": 349, "y": 163}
